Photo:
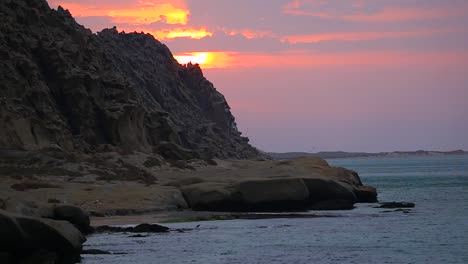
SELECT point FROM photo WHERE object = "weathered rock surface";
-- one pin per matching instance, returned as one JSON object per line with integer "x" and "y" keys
{"x": 311, "y": 184}
{"x": 62, "y": 86}
{"x": 39, "y": 240}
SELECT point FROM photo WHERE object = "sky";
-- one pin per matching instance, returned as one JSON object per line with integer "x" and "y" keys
{"x": 318, "y": 75}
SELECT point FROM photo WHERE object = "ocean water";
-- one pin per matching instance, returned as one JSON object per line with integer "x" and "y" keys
{"x": 435, "y": 231}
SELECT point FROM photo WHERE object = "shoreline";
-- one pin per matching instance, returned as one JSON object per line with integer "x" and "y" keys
{"x": 168, "y": 217}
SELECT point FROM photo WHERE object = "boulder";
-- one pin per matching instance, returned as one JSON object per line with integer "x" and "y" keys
{"x": 24, "y": 236}
{"x": 94, "y": 252}
{"x": 70, "y": 213}
{"x": 396, "y": 205}
{"x": 149, "y": 228}
{"x": 74, "y": 215}
{"x": 142, "y": 228}
{"x": 342, "y": 174}
{"x": 322, "y": 189}
{"x": 210, "y": 196}
{"x": 7, "y": 258}
{"x": 273, "y": 194}
{"x": 366, "y": 194}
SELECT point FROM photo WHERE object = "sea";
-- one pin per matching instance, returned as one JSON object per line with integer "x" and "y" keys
{"x": 435, "y": 231}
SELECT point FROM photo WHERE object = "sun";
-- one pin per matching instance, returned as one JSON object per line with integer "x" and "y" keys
{"x": 193, "y": 57}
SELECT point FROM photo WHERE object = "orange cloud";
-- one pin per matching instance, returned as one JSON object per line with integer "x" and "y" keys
{"x": 162, "y": 34}
{"x": 166, "y": 13}
{"x": 141, "y": 13}
{"x": 222, "y": 60}
{"x": 362, "y": 36}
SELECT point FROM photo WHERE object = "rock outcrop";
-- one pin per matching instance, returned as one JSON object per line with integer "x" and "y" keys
{"x": 27, "y": 239}
{"x": 54, "y": 211}
{"x": 63, "y": 86}
{"x": 307, "y": 183}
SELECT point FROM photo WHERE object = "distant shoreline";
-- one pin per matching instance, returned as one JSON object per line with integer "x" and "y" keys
{"x": 342, "y": 154}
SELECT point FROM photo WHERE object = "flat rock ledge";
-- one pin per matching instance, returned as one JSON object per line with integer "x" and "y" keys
{"x": 277, "y": 194}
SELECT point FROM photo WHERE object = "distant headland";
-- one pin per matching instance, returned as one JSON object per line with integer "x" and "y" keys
{"x": 342, "y": 154}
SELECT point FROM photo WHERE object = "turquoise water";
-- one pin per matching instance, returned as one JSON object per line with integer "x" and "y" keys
{"x": 436, "y": 231}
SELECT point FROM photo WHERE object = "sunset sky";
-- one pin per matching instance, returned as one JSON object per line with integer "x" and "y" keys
{"x": 315, "y": 75}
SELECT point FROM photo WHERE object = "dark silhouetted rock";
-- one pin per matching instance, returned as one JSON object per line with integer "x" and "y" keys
{"x": 333, "y": 204}
{"x": 94, "y": 252}
{"x": 74, "y": 215}
{"x": 7, "y": 258}
{"x": 149, "y": 228}
{"x": 396, "y": 205}
{"x": 210, "y": 196}
{"x": 38, "y": 240}
{"x": 322, "y": 189}
{"x": 366, "y": 194}
{"x": 142, "y": 228}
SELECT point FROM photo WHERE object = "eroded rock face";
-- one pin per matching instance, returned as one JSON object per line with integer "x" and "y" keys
{"x": 62, "y": 85}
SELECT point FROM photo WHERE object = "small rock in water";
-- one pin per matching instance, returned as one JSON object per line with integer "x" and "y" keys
{"x": 142, "y": 228}
{"x": 149, "y": 228}
{"x": 138, "y": 235}
{"x": 94, "y": 252}
{"x": 405, "y": 211}
{"x": 396, "y": 205}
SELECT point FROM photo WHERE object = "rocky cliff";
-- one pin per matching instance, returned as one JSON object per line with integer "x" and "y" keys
{"x": 63, "y": 86}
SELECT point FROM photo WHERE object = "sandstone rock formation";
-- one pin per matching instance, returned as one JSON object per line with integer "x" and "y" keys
{"x": 300, "y": 184}
{"x": 63, "y": 86}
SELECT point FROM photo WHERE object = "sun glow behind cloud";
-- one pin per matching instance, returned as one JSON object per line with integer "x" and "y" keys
{"x": 172, "y": 33}
{"x": 211, "y": 59}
